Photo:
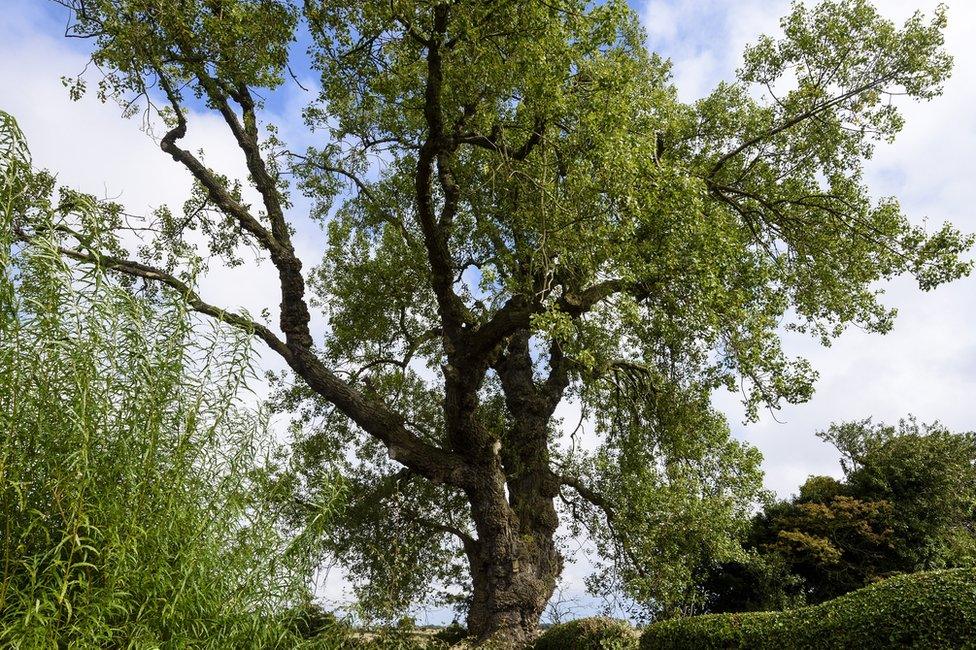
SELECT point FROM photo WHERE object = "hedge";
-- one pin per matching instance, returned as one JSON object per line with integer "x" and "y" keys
{"x": 589, "y": 634}
{"x": 936, "y": 609}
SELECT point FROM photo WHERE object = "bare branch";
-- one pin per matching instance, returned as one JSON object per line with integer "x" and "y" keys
{"x": 215, "y": 188}
{"x": 495, "y": 142}
{"x": 599, "y": 501}
{"x": 588, "y": 494}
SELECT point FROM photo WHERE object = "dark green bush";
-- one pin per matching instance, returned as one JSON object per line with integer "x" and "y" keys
{"x": 310, "y": 621}
{"x": 927, "y": 610}
{"x": 452, "y": 634}
{"x": 589, "y": 633}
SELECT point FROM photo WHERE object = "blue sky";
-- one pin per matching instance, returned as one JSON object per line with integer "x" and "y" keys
{"x": 926, "y": 366}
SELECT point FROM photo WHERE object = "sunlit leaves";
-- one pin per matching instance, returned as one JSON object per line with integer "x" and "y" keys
{"x": 239, "y": 41}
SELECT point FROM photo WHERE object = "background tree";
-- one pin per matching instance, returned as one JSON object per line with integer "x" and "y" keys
{"x": 928, "y": 474}
{"x": 546, "y": 222}
{"x": 907, "y": 503}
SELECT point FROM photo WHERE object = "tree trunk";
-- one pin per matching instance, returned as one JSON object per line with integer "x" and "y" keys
{"x": 515, "y": 563}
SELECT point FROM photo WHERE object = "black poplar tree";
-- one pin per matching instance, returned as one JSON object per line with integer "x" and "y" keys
{"x": 520, "y": 212}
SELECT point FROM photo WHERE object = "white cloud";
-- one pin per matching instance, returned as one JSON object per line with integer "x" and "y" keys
{"x": 705, "y": 38}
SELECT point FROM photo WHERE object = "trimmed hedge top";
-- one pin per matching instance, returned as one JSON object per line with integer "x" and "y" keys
{"x": 936, "y": 609}
{"x": 589, "y": 634}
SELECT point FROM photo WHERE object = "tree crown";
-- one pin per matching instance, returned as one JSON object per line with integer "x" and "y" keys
{"x": 519, "y": 210}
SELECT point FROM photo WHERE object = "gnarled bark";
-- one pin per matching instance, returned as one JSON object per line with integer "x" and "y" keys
{"x": 515, "y": 563}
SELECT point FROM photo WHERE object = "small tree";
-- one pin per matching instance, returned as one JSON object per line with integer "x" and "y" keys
{"x": 835, "y": 546}
{"x": 546, "y": 222}
{"x": 928, "y": 474}
{"x": 907, "y": 503}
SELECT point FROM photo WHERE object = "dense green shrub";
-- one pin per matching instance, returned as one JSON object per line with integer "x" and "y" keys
{"x": 135, "y": 505}
{"x": 452, "y": 634}
{"x": 589, "y": 634}
{"x": 927, "y": 610}
{"x": 311, "y": 621}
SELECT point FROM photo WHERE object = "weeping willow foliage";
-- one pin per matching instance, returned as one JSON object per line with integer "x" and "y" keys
{"x": 135, "y": 505}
